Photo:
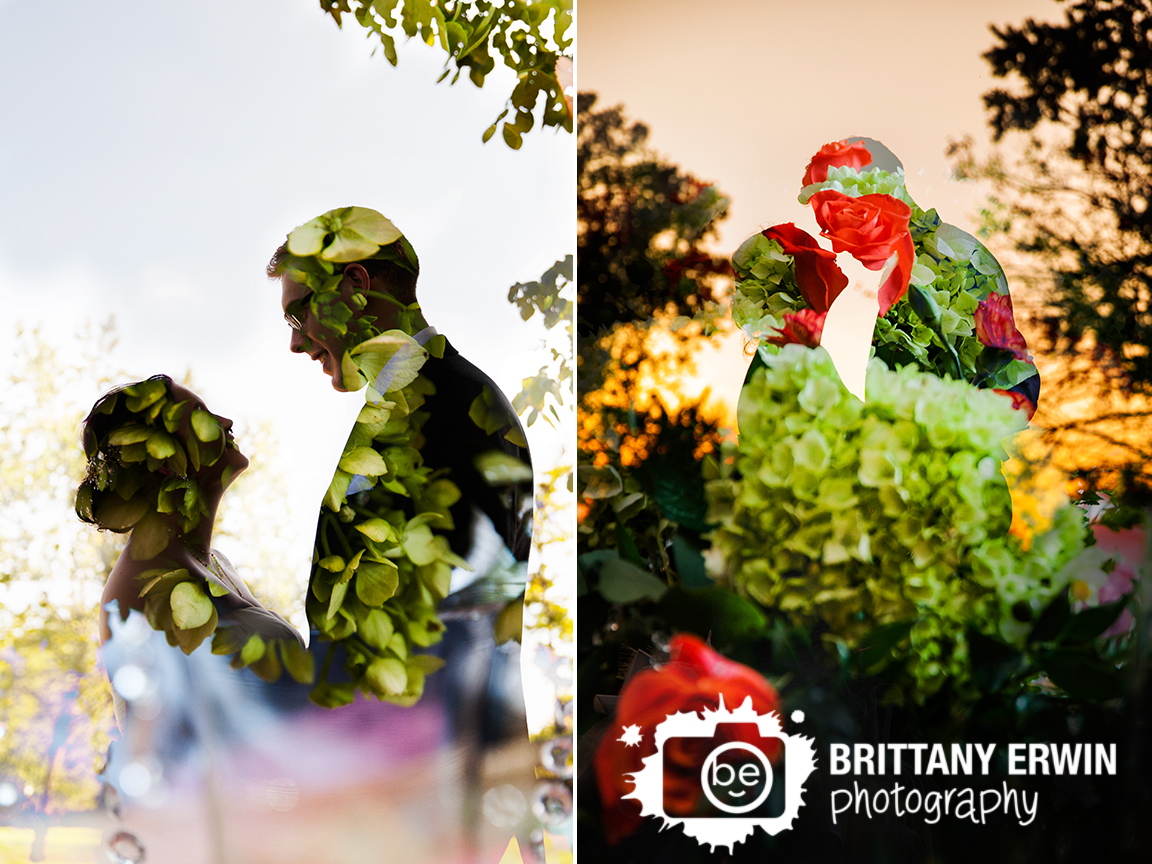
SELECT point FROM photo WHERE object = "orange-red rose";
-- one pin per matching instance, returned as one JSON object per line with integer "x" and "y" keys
{"x": 819, "y": 279}
{"x": 695, "y": 678}
{"x": 871, "y": 228}
{"x": 836, "y": 155}
{"x": 800, "y": 328}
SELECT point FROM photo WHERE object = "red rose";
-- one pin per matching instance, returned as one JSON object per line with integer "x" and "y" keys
{"x": 996, "y": 326}
{"x": 836, "y": 155}
{"x": 819, "y": 279}
{"x": 800, "y": 328}
{"x": 695, "y": 678}
{"x": 871, "y": 228}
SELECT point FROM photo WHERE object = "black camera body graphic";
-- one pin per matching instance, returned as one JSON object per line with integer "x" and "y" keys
{"x": 734, "y": 773}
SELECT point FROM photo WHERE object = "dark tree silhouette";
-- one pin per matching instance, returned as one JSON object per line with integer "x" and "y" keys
{"x": 640, "y": 222}
{"x": 1077, "y": 97}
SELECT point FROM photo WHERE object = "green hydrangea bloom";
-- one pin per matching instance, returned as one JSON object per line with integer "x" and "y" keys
{"x": 895, "y": 510}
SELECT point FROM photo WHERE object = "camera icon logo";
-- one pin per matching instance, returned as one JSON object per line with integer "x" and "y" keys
{"x": 721, "y": 774}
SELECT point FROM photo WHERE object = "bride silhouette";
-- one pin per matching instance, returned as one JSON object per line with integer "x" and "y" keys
{"x": 217, "y": 763}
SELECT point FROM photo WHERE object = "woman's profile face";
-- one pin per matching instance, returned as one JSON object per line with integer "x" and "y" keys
{"x": 232, "y": 457}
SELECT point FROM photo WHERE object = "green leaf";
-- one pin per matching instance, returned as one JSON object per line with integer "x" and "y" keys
{"x": 370, "y": 225}
{"x": 253, "y": 649}
{"x": 1090, "y": 623}
{"x": 1082, "y": 676}
{"x": 426, "y": 663}
{"x": 502, "y": 469}
{"x": 174, "y": 414}
{"x": 191, "y": 607}
{"x": 1052, "y": 619}
{"x": 380, "y": 530}
{"x": 994, "y": 663}
{"x": 512, "y": 138}
{"x": 376, "y": 581}
{"x": 488, "y": 412}
{"x": 150, "y": 537}
{"x": 119, "y": 515}
{"x": 626, "y": 547}
{"x": 144, "y": 395}
{"x": 308, "y": 239}
{"x": 621, "y": 582}
{"x": 191, "y": 639}
{"x": 509, "y": 625}
{"x": 205, "y": 425}
{"x": 386, "y": 676}
{"x": 161, "y": 445}
{"x": 193, "y": 452}
{"x": 268, "y": 666}
{"x": 331, "y": 563}
{"x": 339, "y": 590}
{"x": 154, "y": 577}
{"x": 875, "y": 648}
{"x": 376, "y": 628}
{"x": 297, "y": 661}
{"x": 363, "y": 460}
{"x": 337, "y": 490}
{"x": 419, "y": 544}
{"x": 689, "y": 562}
{"x": 130, "y": 434}
{"x": 516, "y": 436}
{"x": 727, "y": 617}
{"x": 599, "y": 482}
{"x": 402, "y": 354}
{"x": 333, "y": 695}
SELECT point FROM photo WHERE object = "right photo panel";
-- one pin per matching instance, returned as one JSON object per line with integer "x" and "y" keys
{"x": 864, "y": 431}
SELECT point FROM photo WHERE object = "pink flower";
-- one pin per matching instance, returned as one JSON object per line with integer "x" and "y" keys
{"x": 1127, "y": 548}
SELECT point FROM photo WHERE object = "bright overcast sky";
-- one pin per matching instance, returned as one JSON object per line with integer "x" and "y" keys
{"x": 153, "y": 155}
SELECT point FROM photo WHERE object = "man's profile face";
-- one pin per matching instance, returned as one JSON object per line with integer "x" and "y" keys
{"x": 311, "y": 337}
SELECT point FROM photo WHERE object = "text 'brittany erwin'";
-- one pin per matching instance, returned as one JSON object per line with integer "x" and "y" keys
{"x": 1023, "y": 759}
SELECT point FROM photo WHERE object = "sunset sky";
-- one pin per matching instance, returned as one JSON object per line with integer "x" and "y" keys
{"x": 743, "y": 94}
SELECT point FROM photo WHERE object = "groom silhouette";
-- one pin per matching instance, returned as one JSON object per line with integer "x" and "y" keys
{"x": 348, "y": 287}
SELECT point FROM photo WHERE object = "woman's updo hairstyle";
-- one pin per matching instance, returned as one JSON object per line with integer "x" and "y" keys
{"x": 144, "y": 450}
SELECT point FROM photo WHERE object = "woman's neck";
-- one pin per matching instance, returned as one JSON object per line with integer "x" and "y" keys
{"x": 199, "y": 539}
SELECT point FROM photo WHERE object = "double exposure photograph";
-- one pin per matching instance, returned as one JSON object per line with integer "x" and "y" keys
{"x": 508, "y": 432}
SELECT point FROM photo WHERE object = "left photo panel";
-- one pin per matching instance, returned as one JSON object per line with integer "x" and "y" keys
{"x": 287, "y": 421}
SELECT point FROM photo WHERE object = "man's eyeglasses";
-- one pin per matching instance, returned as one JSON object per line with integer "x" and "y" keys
{"x": 297, "y": 311}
